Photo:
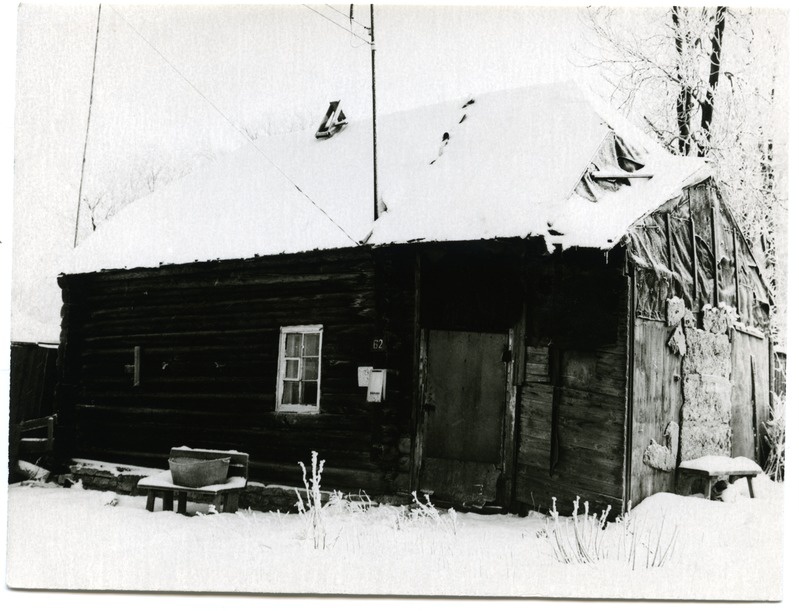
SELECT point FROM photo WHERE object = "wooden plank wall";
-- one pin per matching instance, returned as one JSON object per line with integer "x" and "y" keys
{"x": 657, "y": 389}
{"x": 31, "y": 392}
{"x": 32, "y": 382}
{"x": 750, "y": 394}
{"x": 208, "y": 336}
{"x": 707, "y": 262}
{"x": 578, "y": 382}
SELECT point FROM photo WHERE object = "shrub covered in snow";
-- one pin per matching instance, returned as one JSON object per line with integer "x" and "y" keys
{"x": 775, "y": 437}
{"x": 312, "y": 505}
{"x": 589, "y": 539}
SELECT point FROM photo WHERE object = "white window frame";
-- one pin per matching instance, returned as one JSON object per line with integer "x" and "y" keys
{"x": 281, "y": 370}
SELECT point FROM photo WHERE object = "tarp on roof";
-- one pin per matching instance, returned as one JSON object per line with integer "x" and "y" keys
{"x": 502, "y": 164}
{"x": 674, "y": 254}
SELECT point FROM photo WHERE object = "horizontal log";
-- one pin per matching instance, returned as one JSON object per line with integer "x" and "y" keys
{"x": 334, "y": 333}
{"x": 158, "y": 307}
{"x": 370, "y": 480}
{"x": 325, "y": 261}
{"x": 270, "y": 445}
{"x": 269, "y": 419}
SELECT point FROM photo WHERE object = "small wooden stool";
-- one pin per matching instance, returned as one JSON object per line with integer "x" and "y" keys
{"x": 711, "y": 476}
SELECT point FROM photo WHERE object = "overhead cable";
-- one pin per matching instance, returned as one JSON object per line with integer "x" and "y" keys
{"x": 234, "y": 126}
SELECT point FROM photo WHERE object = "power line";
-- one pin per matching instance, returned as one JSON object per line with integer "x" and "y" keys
{"x": 234, "y": 126}
{"x": 331, "y": 7}
{"x": 88, "y": 123}
{"x": 335, "y": 23}
{"x": 351, "y": 20}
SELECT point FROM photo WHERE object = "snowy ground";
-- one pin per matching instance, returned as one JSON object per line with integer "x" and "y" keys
{"x": 80, "y": 539}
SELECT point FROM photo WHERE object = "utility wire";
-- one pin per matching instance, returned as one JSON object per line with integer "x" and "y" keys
{"x": 365, "y": 27}
{"x": 234, "y": 126}
{"x": 88, "y": 124}
{"x": 337, "y": 24}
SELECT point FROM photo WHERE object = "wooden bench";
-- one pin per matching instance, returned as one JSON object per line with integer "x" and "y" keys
{"x": 711, "y": 475}
{"x": 224, "y": 496}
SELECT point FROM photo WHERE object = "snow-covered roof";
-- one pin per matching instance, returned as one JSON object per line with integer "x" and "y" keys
{"x": 501, "y": 164}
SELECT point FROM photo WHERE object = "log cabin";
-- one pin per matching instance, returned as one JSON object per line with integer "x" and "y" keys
{"x": 549, "y": 304}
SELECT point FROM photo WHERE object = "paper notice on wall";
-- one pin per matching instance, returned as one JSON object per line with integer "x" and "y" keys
{"x": 377, "y": 386}
{"x": 363, "y": 376}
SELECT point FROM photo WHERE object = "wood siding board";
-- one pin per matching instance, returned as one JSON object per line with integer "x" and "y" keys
{"x": 590, "y": 395}
{"x": 735, "y": 264}
{"x": 629, "y": 396}
{"x": 669, "y": 251}
{"x": 538, "y": 492}
{"x": 657, "y": 399}
{"x": 511, "y": 432}
{"x": 750, "y": 393}
{"x": 694, "y": 263}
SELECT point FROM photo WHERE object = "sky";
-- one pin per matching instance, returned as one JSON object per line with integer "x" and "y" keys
{"x": 176, "y": 85}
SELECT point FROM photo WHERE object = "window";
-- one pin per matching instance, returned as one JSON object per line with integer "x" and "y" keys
{"x": 299, "y": 365}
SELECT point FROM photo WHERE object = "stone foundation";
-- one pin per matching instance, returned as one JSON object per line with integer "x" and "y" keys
{"x": 123, "y": 479}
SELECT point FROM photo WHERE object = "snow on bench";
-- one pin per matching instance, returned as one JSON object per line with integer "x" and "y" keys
{"x": 714, "y": 468}
{"x": 224, "y": 496}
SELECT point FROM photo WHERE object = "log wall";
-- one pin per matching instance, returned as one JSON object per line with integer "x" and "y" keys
{"x": 208, "y": 336}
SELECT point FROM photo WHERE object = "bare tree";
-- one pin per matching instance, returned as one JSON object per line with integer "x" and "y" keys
{"x": 707, "y": 105}
{"x": 94, "y": 204}
{"x": 704, "y": 81}
{"x": 681, "y": 57}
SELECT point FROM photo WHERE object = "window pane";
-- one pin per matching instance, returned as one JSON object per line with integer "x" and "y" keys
{"x": 292, "y": 369}
{"x": 311, "y": 344}
{"x": 310, "y": 368}
{"x": 291, "y": 393}
{"x": 309, "y": 390}
{"x": 293, "y": 343}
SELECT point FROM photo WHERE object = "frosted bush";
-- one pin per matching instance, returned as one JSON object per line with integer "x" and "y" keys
{"x": 421, "y": 513}
{"x": 775, "y": 437}
{"x": 312, "y": 505}
{"x": 589, "y": 539}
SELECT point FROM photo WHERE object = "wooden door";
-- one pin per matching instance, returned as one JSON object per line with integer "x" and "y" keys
{"x": 464, "y": 405}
